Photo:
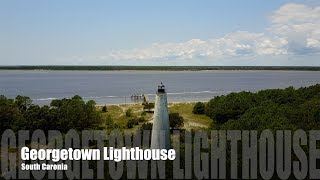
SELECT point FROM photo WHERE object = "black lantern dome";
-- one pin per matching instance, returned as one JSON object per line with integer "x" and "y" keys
{"x": 161, "y": 88}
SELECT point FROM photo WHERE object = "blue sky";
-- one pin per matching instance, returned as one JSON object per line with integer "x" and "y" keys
{"x": 79, "y": 32}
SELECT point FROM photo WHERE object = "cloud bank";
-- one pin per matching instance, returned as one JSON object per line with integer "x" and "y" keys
{"x": 294, "y": 30}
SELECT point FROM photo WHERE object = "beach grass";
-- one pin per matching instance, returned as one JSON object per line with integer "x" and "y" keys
{"x": 191, "y": 121}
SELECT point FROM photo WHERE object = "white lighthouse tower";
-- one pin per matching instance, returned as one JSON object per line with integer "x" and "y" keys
{"x": 160, "y": 138}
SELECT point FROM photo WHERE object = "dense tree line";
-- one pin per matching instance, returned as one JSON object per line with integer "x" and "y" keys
{"x": 63, "y": 115}
{"x": 267, "y": 109}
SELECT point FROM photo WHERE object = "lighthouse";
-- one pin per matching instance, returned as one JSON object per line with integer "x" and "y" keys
{"x": 160, "y": 138}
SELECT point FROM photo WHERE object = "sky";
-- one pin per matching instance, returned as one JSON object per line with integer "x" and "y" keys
{"x": 167, "y": 32}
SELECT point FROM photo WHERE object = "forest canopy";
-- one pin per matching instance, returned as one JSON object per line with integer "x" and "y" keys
{"x": 62, "y": 115}
{"x": 285, "y": 109}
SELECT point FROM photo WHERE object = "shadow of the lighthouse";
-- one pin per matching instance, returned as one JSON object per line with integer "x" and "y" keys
{"x": 160, "y": 138}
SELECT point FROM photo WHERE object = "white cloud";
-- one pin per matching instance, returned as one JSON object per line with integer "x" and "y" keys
{"x": 300, "y": 25}
{"x": 246, "y": 43}
{"x": 233, "y": 44}
{"x": 294, "y": 29}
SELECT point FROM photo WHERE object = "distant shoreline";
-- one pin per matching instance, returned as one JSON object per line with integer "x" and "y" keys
{"x": 158, "y": 68}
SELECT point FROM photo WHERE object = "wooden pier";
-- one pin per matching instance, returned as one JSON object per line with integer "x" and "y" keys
{"x": 143, "y": 97}
{"x": 137, "y": 96}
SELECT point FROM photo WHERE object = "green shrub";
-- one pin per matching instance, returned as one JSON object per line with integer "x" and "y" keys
{"x": 104, "y": 109}
{"x": 141, "y": 119}
{"x": 109, "y": 122}
{"x": 132, "y": 122}
{"x": 199, "y": 108}
{"x": 146, "y": 126}
{"x": 129, "y": 112}
{"x": 176, "y": 121}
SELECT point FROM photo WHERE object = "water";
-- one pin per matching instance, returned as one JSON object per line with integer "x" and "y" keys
{"x": 113, "y": 87}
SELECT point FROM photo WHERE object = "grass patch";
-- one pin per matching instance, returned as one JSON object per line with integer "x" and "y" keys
{"x": 192, "y": 121}
{"x": 118, "y": 114}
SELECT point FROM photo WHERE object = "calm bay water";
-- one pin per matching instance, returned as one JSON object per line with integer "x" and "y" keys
{"x": 113, "y": 87}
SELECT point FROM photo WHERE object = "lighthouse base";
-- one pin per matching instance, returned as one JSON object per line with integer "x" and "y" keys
{"x": 160, "y": 138}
